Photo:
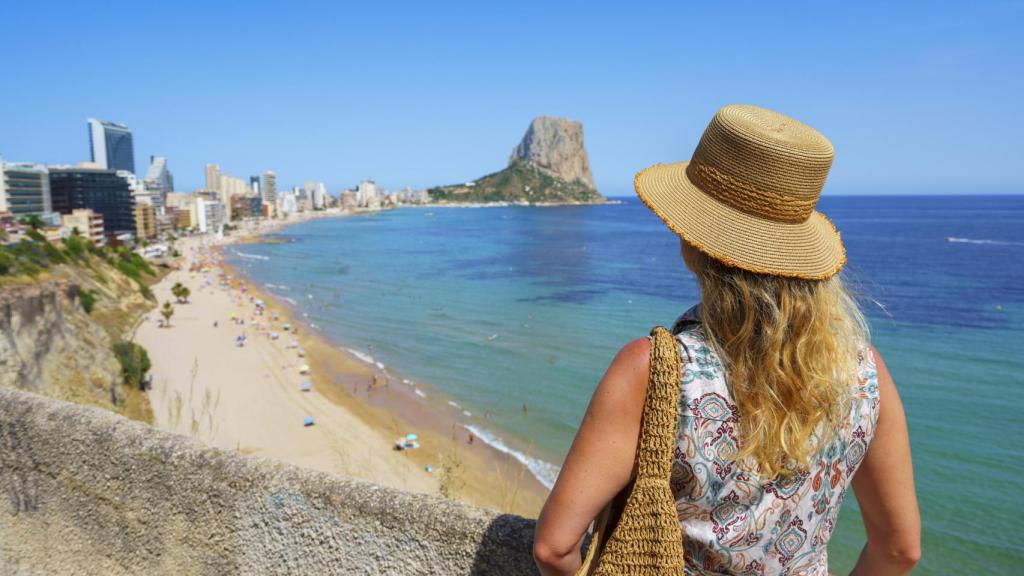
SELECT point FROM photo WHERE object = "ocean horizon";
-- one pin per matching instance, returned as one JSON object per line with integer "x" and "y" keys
{"x": 511, "y": 315}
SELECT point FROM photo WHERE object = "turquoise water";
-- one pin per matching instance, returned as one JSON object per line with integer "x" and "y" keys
{"x": 505, "y": 308}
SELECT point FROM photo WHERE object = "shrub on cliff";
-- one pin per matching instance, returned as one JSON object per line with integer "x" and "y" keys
{"x": 30, "y": 257}
{"x": 6, "y": 261}
{"x": 53, "y": 254}
{"x": 77, "y": 246}
{"x": 134, "y": 266}
{"x": 134, "y": 362}
{"x": 87, "y": 298}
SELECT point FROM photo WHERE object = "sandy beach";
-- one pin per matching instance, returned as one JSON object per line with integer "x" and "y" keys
{"x": 227, "y": 371}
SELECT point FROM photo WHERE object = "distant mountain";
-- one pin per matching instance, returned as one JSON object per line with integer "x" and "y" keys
{"x": 549, "y": 165}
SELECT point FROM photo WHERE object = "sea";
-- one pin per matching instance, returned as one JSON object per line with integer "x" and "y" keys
{"x": 512, "y": 314}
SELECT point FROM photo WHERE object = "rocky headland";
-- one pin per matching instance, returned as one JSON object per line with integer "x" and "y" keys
{"x": 548, "y": 166}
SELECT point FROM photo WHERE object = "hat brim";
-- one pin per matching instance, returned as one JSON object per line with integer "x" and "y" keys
{"x": 810, "y": 250}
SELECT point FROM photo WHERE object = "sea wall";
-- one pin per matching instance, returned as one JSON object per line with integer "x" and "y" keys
{"x": 85, "y": 491}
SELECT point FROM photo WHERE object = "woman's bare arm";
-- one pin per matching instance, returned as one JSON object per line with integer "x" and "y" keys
{"x": 884, "y": 485}
{"x": 599, "y": 464}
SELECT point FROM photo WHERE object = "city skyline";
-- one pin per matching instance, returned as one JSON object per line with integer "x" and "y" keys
{"x": 421, "y": 97}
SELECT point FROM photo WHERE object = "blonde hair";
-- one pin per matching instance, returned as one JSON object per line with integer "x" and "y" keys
{"x": 790, "y": 349}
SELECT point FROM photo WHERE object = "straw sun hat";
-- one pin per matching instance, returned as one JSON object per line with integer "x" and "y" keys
{"x": 747, "y": 196}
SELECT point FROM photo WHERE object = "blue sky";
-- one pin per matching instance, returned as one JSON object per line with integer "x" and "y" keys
{"x": 918, "y": 97}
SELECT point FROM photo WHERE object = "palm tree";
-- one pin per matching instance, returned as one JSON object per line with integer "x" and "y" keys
{"x": 181, "y": 292}
{"x": 167, "y": 311}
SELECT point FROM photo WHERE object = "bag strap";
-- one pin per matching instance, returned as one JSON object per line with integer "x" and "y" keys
{"x": 658, "y": 426}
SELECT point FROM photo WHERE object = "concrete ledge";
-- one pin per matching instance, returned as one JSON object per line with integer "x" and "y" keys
{"x": 84, "y": 491}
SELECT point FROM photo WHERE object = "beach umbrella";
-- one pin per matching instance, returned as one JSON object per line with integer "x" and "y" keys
{"x": 308, "y": 421}
{"x": 304, "y": 369}
{"x": 411, "y": 437}
{"x": 306, "y": 386}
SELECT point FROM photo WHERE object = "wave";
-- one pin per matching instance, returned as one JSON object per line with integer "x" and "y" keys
{"x": 983, "y": 241}
{"x": 545, "y": 472}
{"x": 251, "y": 256}
{"x": 420, "y": 393}
{"x": 362, "y": 356}
{"x": 454, "y": 404}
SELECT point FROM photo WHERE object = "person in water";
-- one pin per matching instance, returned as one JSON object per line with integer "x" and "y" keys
{"x": 784, "y": 403}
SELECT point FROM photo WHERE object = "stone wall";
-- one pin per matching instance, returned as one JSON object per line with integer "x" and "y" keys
{"x": 84, "y": 491}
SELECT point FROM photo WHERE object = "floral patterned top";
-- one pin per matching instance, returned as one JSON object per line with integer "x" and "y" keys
{"x": 733, "y": 522}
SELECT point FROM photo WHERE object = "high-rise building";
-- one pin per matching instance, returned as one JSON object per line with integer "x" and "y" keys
{"x": 320, "y": 196}
{"x": 111, "y": 145}
{"x": 209, "y": 215}
{"x": 159, "y": 180}
{"x": 212, "y": 177}
{"x": 314, "y": 194}
{"x": 368, "y": 195}
{"x": 145, "y": 221}
{"x": 287, "y": 203}
{"x": 141, "y": 194}
{"x": 247, "y": 206}
{"x": 254, "y": 185}
{"x": 269, "y": 186}
{"x": 104, "y": 191}
{"x": 185, "y": 220}
{"x": 24, "y": 188}
{"x": 348, "y": 200}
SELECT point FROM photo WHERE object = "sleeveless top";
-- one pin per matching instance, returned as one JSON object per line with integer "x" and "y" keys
{"x": 733, "y": 522}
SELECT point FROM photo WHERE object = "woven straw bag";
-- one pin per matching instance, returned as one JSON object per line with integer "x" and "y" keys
{"x": 647, "y": 539}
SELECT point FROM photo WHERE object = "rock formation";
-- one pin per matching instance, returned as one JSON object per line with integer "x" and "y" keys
{"x": 555, "y": 146}
{"x": 549, "y": 166}
{"x": 48, "y": 345}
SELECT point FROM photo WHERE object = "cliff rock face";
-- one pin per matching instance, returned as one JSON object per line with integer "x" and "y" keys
{"x": 48, "y": 345}
{"x": 549, "y": 166}
{"x": 555, "y": 147}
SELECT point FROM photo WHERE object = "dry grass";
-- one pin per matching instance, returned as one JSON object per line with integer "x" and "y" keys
{"x": 511, "y": 478}
{"x": 451, "y": 480}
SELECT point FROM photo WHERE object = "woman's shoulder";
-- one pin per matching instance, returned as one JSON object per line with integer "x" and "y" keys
{"x": 635, "y": 353}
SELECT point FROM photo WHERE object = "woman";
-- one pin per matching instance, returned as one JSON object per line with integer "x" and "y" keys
{"x": 783, "y": 402}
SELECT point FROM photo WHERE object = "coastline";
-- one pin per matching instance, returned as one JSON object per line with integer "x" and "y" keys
{"x": 360, "y": 406}
{"x": 510, "y": 204}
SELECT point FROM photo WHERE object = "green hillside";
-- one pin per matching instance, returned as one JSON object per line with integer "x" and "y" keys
{"x": 520, "y": 182}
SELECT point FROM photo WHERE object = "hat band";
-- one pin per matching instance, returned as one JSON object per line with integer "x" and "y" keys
{"x": 747, "y": 198}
